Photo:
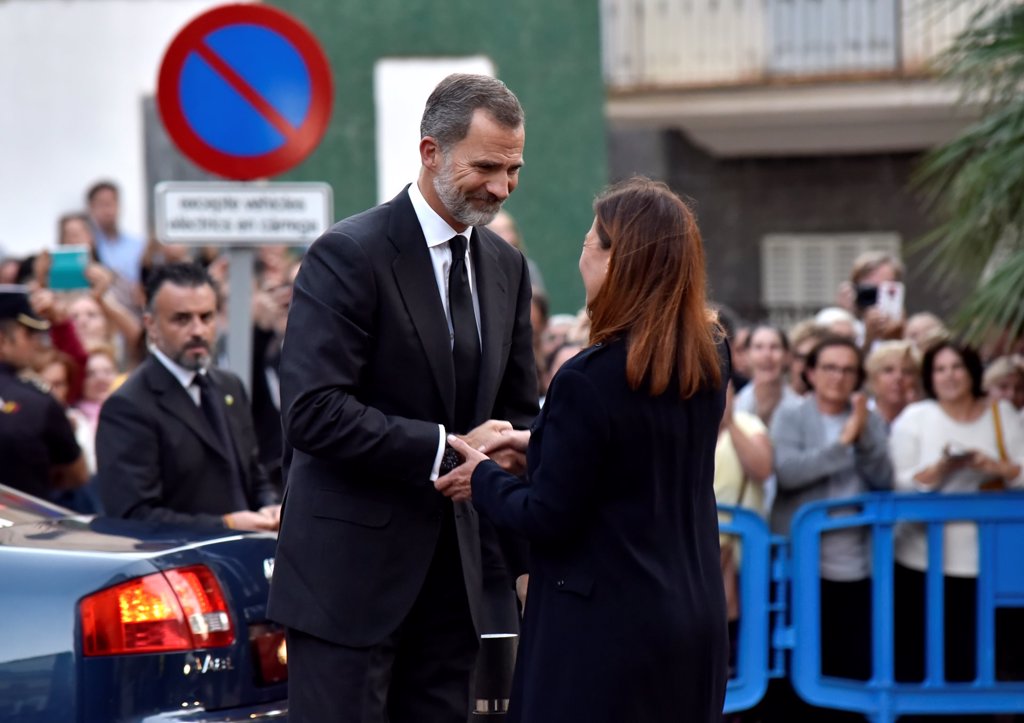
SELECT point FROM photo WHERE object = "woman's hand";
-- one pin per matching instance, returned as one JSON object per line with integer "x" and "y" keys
{"x": 991, "y": 466}
{"x": 508, "y": 449}
{"x": 100, "y": 279}
{"x": 457, "y": 484}
{"x": 858, "y": 419}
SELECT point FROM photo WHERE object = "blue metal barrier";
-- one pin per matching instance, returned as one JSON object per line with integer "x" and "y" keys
{"x": 750, "y": 681}
{"x": 1000, "y": 522}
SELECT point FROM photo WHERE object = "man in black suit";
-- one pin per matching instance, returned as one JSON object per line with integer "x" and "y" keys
{"x": 175, "y": 442}
{"x": 401, "y": 332}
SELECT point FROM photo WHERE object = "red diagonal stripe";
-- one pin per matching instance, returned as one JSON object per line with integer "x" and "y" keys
{"x": 262, "y": 106}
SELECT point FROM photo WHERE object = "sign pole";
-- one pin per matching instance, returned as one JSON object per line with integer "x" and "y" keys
{"x": 240, "y": 263}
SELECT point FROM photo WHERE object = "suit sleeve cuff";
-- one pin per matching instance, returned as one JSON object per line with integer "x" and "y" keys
{"x": 436, "y": 471}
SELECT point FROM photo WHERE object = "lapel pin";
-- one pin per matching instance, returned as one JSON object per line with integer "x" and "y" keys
{"x": 229, "y": 400}
{"x": 9, "y": 407}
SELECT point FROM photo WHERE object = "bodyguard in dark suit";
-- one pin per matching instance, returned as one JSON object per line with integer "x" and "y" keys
{"x": 175, "y": 442}
{"x": 408, "y": 321}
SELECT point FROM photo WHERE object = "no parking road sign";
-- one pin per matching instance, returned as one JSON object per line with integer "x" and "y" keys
{"x": 245, "y": 91}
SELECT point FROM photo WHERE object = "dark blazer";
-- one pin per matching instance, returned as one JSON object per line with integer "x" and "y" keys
{"x": 625, "y": 616}
{"x": 158, "y": 459}
{"x": 366, "y": 375}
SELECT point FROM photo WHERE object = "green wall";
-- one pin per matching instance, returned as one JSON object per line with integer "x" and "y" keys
{"x": 547, "y": 52}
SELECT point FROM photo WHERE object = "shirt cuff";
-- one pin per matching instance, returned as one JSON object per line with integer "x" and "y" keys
{"x": 436, "y": 471}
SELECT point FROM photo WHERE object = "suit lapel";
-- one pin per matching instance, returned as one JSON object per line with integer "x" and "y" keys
{"x": 236, "y": 424}
{"x": 491, "y": 286}
{"x": 173, "y": 398}
{"x": 414, "y": 275}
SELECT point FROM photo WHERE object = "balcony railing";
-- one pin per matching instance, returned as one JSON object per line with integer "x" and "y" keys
{"x": 651, "y": 44}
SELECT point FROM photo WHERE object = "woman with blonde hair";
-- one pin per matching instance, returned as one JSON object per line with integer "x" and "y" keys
{"x": 893, "y": 369}
{"x": 625, "y": 618}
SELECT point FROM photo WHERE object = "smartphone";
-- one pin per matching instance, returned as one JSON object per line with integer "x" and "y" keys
{"x": 867, "y": 295}
{"x": 890, "y": 299}
{"x": 67, "y": 272}
{"x": 955, "y": 452}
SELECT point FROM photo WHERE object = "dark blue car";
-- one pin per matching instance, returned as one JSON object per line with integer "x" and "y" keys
{"x": 116, "y": 620}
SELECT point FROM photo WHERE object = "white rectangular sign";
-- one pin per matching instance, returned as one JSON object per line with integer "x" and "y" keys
{"x": 241, "y": 214}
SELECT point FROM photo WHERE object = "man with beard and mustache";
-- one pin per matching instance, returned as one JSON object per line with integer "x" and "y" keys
{"x": 408, "y": 322}
{"x": 175, "y": 443}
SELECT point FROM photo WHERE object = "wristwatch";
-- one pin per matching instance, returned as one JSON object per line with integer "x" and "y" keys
{"x": 450, "y": 459}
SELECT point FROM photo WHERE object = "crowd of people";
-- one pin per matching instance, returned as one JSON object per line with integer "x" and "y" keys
{"x": 852, "y": 401}
{"x": 856, "y": 398}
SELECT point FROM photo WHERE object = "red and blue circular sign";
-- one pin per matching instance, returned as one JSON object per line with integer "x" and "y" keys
{"x": 245, "y": 91}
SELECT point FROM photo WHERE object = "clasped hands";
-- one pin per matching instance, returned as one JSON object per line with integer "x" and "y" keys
{"x": 493, "y": 439}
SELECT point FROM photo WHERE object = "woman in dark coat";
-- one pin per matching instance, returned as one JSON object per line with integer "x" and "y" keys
{"x": 625, "y": 618}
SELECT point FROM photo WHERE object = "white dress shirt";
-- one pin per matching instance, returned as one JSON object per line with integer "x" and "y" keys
{"x": 437, "y": 233}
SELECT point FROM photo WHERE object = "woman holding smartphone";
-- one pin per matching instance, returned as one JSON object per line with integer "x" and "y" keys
{"x": 625, "y": 618}
{"x": 955, "y": 441}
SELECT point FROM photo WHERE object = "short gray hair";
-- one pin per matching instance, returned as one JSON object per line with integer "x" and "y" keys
{"x": 450, "y": 107}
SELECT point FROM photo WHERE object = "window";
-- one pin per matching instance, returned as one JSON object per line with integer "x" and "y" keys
{"x": 800, "y": 273}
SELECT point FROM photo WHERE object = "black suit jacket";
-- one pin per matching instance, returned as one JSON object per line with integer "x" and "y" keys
{"x": 158, "y": 459}
{"x": 366, "y": 376}
{"x": 625, "y": 617}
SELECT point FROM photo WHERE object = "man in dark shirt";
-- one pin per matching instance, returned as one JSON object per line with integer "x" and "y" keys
{"x": 37, "y": 443}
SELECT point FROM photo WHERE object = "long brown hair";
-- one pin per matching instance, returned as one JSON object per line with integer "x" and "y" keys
{"x": 654, "y": 291}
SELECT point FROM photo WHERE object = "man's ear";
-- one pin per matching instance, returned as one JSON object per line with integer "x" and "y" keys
{"x": 430, "y": 153}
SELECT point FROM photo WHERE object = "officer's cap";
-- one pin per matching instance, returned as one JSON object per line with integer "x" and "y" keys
{"x": 14, "y": 305}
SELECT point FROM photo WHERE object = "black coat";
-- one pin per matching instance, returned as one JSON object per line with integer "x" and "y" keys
{"x": 366, "y": 376}
{"x": 158, "y": 458}
{"x": 625, "y": 614}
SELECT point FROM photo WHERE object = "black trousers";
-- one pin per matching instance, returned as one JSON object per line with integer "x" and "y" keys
{"x": 845, "y": 653}
{"x": 419, "y": 674}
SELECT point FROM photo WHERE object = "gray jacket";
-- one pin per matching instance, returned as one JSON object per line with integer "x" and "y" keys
{"x": 807, "y": 468}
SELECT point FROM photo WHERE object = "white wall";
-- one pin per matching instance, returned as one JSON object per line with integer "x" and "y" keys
{"x": 401, "y": 87}
{"x": 72, "y": 77}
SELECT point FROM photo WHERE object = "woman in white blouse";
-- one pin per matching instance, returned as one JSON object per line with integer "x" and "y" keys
{"x": 948, "y": 443}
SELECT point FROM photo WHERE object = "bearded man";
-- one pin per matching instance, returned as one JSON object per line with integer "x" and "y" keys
{"x": 175, "y": 443}
{"x": 409, "y": 322}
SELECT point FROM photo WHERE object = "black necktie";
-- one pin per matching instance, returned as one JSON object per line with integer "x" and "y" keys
{"x": 212, "y": 403}
{"x": 466, "y": 345}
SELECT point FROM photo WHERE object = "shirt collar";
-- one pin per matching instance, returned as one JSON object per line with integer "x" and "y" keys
{"x": 183, "y": 375}
{"x": 435, "y": 229}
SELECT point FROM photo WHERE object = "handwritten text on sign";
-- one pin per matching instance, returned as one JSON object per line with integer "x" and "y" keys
{"x": 241, "y": 214}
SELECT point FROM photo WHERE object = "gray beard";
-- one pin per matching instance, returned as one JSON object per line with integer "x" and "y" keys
{"x": 193, "y": 364}
{"x": 458, "y": 204}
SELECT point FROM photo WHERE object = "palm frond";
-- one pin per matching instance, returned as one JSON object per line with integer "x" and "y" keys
{"x": 975, "y": 183}
{"x": 997, "y": 306}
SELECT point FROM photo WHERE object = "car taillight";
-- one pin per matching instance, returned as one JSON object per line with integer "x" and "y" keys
{"x": 270, "y": 652}
{"x": 174, "y": 610}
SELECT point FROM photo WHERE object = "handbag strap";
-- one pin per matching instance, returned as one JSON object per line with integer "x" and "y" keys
{"x": 998, "y": 421}
{"x": 743, "y": 490}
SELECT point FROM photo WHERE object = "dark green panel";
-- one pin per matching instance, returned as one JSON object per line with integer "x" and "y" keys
{"x": 547, "y": 52}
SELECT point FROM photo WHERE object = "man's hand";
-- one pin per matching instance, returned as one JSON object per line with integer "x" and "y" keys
{"x": 508, "y": 449}
{"x": 457, "y": 484}
{"x": 273, "y": 512}
{"x": 248, "y": 520}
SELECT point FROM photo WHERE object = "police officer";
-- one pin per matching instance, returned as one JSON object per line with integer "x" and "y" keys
{"x": 37, "y": 443}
